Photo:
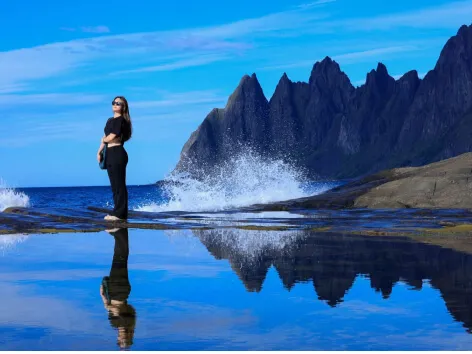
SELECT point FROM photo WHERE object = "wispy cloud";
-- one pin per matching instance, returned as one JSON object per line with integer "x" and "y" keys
{"x": 12, "y": 89}
{"x": 315, "y": 3}
{"x": 59, "y": 123}
{"x": 286, "y": 21}
{"x": 359, "y": 56}
{"x": 178, "y": 64}
{"x": 96, "y": 29}
{"x": 55, "y": 99}
{"x": 23, "y": 67}
{"x": 349, "y": 58}
{"x": 219, "y": 42}
{"x": 88, "y": 29}
{"x": 64, "y": 130}
{"x": 449, "y": 15}
{"x": 205, "y": 45}
{"x": 182, "y": 99}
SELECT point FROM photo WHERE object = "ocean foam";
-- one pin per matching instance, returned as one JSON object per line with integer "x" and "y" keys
{"x": 244, "y": 180}
{"x": 9, "y": 197}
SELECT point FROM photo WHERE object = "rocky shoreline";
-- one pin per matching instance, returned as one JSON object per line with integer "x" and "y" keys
{"x": 446, "y": 184}
{"x": 432, "y": 199}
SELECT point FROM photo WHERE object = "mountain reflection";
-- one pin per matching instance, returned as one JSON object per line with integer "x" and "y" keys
{"x": 333, "y": 261}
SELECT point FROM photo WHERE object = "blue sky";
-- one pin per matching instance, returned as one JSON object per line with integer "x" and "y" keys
{"x": 61, "y": 65}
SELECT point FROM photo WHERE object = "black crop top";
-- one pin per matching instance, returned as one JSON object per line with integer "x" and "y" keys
{"x": 118, "y": 126}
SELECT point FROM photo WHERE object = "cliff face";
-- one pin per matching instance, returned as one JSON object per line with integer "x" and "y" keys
{"x": 244, "y": 121}
{"x": 335, "y": 130}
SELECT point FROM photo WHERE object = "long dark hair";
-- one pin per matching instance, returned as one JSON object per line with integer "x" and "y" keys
{"x": 126, "y": 116}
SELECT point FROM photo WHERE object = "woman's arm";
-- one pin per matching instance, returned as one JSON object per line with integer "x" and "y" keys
{"x": 102, "y": 145}
{"x": 109, "y": 138}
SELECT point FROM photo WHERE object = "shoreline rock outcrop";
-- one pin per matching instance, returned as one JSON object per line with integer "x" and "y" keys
{"x": 444, "y": 184}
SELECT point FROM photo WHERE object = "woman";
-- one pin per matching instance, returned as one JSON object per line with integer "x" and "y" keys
{"x": 118, "y": 130}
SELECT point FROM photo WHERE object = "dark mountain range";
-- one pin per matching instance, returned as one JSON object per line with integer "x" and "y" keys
{"x": 335, "y": 130}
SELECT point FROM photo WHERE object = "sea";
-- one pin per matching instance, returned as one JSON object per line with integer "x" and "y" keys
{"x": 225, "y": 288}
{"x": 245, "y": 180}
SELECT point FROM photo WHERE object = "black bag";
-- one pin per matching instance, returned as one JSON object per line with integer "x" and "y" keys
{"x": 103, "y": 158}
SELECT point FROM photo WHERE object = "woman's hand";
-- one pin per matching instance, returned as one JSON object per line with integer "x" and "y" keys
{"x": 98, "y": 157}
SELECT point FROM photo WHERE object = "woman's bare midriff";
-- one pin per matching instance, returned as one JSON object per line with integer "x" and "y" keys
{"x": 114, "y": 142}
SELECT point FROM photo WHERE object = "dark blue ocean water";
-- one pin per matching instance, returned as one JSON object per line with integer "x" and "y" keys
{"x": 188, "y": 197}
{"x": 241, "y": 181}
{"x": 82, "y": 197}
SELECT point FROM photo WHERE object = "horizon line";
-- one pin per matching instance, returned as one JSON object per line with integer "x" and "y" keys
{"x": 88, "y": 186}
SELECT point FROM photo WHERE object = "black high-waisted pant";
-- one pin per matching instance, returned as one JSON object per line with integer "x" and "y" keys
{"x": 117, "y": 160}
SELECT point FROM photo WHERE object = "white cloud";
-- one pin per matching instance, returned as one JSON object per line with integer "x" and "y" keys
{"x": 198, "y": 46}
{"x": 55, "y": 99}
{"x": 20, "y": 66}
{"x": 449, "y": 15}
{"x": 64, "y": 128}
{"x": 62, "y": 124}
{"x": 96, "y": 29}
{"x": 349, "y": 58}
{"x": 315, "y": 3}
{"x": 178, "y": 64}
{"x": 12, "y": 89}
{"x": 359, "y": 56}
{"x": 88, "y": 29}
{"x": 182, "y": 99}
{"x": 17, "y": 67}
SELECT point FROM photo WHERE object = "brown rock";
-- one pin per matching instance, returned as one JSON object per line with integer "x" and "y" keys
{"x": 444, "y": 184}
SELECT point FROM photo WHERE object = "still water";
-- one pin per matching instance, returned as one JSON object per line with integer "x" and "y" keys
{"x": 231, "y": 289}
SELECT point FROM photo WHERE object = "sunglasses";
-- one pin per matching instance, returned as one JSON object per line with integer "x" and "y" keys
{"x": 115, "y": 103}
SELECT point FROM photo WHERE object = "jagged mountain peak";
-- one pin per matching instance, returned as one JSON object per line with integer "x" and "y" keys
{"x": 283, "y": 86}
{"x": 457, "y": 49}
{"x": 324, "y": 68}
{"x": 335, "y": 130}
{"x": 327, "y": 75}
{"x": 378, "y": 76}
{"x": 248, "y": 88}
{"x": 284, "y": 77}
{"x": 410, "y": 77}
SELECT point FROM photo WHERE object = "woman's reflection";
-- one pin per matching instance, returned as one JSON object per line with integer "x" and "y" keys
{"x": 115, "y": 290}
